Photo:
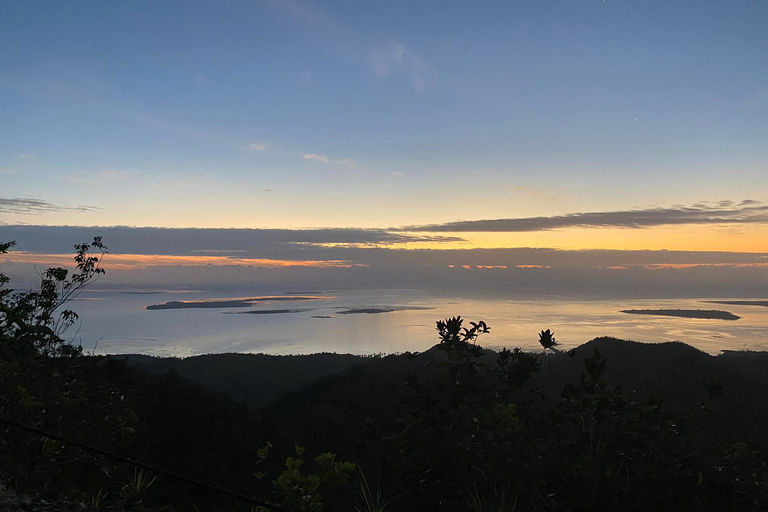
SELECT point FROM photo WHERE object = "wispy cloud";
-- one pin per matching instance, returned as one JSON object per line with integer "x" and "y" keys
{"x": 26, "y": 156}
{"x": 258, "y": 146}
{"x": 342, "y": 162}
{"x": 30, "y": 206}
{"x": 722, "y": 212}
{"x": 316, "y": 158}
{"x": 396, "y": 57}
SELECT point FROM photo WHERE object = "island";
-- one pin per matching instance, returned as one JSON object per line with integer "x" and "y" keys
{"x": 266, "y": 312}
{"x": 244, "y": 302}
{"x": 763, "y": 303}
{"x": 685, "y": 313}
{"x": 376, "y": 310}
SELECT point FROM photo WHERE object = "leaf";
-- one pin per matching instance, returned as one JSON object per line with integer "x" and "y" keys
{"x": 48, "y": 446}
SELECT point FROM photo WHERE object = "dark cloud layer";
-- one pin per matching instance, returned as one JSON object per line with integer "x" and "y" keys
{"x": 722, "y": 212}
{"x": 368, "y": 247}
{"x": 273, "y": 243}
{"x": 564, "y": 272}
{"x": 31, "y": 206}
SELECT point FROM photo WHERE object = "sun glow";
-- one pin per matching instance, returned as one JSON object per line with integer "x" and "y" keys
{"x": 729, "y": 238}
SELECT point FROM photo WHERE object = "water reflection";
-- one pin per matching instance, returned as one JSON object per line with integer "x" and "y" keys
{"x": 123, "y": 325}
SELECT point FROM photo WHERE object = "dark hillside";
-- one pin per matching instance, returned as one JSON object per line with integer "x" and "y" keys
{"x": 328, "y": 387}
{"x": 255, "y": 379}
{"x": 681, "y": 374}
{"x": 676, "y": 372}
{"x": 373, "y": 414}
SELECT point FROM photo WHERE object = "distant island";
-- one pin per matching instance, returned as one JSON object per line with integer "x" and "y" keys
{"x": 245, "y": 302}
{"x": 685, "y": 313}
{"x": 763, "y": 303}
{"x": 266, "y": 311}
{"x": 375, "y": 310}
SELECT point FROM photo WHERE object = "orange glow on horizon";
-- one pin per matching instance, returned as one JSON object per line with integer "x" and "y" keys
{"x": 134, "y": 261}
{"x": 751, "y": 238}
{"x": 659, "y": 266}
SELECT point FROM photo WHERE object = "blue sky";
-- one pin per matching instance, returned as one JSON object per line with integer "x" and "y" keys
{"x": 289, "y": 114}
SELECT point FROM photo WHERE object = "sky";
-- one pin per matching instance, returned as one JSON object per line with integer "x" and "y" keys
{"x": 269, "y": 131}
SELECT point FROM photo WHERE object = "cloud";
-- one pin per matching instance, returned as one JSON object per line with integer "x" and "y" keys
{"x": 30, "y": 206}
{"x": 258, "y": 146}
{"x": 299, "y": 259}
{"x": 258, "y": 243}
{"x": 395, "y": 56}
{"x": 316, "y": 158}
{"x": 723, "y": 212}
{"x": 26, "y": 156}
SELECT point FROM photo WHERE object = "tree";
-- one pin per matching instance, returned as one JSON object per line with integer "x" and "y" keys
{"x": 34, "y": 322}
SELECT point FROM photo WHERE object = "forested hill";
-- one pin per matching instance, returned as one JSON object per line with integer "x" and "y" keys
{"x": 677, "y": 372}
{"x": 437, "y": 430}
{"x": 256, "y": 379}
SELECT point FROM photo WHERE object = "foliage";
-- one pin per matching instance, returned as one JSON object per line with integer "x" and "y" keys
{"x": 303, "y": 491}
{"x": 35, "y": 321}
{"x": 477, "y": 439}
{"x": 43, "y": 385}
{"x": 372, "y": 501}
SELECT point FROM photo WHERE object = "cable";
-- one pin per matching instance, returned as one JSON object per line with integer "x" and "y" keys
{"x": 142, "y": 465}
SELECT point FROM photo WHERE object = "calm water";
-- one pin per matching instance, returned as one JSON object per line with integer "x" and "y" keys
{"x": 121, "y": 324}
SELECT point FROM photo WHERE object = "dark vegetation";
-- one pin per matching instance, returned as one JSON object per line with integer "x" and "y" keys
{"x": 685, "y": 313}
{"x": 254, "y": 379}
{"x": 611, "y": 425}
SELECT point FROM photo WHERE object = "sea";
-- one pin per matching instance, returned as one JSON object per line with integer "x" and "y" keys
{"x": 387, "y": 321}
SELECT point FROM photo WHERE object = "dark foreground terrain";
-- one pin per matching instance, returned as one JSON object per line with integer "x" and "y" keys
{"x": 613, "y": 425}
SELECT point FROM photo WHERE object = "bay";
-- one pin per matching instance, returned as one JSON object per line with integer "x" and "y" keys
{"x": 389, "y": 321}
